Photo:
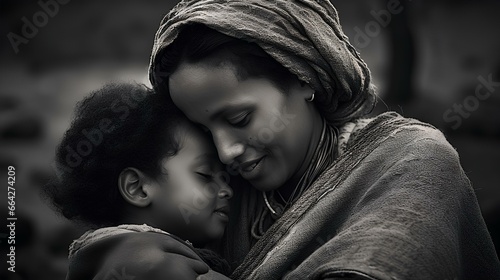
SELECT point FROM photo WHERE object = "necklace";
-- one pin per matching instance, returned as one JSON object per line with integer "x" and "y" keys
{"x": 323, "y": 157}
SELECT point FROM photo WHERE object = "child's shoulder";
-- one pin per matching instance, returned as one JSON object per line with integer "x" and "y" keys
{"x": 94, "y": 251}
{"x": 92, "y": 237}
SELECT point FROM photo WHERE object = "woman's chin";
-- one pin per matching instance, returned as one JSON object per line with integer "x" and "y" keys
{"x": 266, "y": 185}
{"x": 269, "y": 175}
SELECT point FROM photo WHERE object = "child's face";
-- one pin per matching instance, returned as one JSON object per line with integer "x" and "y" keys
{"x": 191, "y": 199}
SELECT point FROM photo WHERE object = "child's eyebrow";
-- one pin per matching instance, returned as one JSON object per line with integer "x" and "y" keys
{"x": 207, "y": 155}
{"x": 206, "y": 158}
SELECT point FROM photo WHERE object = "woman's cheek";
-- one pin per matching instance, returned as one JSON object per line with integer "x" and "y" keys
{"x": 260, "y": 133}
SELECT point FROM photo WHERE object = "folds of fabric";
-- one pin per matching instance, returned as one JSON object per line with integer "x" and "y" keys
{"x": 305, "y": 36}
{"x": 395, "y": 205}
{"x": 90, "y": 255}
{"x": 93, "y": 236}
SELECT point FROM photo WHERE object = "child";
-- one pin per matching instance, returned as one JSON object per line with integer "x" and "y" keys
{"x": 132, "y": 162}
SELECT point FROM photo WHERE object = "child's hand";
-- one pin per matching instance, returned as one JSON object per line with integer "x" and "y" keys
{"x": 153, "y": 256}
{"x": 212, "y": 275}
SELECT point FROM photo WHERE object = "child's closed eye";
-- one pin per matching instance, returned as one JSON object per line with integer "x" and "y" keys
{"x": 205, "y": 176}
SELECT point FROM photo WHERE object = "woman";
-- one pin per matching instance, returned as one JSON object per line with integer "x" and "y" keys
{"x": 282, "y": 91}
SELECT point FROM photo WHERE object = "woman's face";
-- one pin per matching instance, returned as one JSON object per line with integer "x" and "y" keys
{"x": 265, "y": 133}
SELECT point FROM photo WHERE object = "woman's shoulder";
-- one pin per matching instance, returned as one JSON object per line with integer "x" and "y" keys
{"x": 392, "y": 131}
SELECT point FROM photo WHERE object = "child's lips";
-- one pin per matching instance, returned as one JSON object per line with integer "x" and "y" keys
{"x": 223, "y": 211}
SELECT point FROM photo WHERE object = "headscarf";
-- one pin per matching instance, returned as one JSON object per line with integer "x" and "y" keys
{"x": 305, "y": 36}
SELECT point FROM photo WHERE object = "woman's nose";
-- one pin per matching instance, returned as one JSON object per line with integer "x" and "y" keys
{"x": 225, "y": 191}
{"x": 228, "y": 147}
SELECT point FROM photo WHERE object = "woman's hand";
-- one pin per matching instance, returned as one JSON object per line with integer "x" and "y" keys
{"x": 153, "y": 256}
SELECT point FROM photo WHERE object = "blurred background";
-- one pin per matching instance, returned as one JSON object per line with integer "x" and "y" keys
{"x": 437, "y": 61}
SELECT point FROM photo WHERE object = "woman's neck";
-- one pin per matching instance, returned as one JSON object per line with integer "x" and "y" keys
{"x": 288, "y": 188}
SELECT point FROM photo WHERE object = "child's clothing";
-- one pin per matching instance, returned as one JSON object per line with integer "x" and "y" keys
{"x": 88, "y": 254}
{"x": 93, "y": 236}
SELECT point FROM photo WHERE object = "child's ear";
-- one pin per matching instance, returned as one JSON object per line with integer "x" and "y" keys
{"x": 134, "y": 187}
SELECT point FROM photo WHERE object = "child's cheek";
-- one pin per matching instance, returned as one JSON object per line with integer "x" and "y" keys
{"x": 202, "y": 196}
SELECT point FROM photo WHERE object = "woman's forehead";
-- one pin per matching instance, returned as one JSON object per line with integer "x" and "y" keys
{"x": 200, "y": 78}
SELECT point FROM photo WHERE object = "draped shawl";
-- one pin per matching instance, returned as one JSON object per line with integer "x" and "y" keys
{"x": 395, "y": 205}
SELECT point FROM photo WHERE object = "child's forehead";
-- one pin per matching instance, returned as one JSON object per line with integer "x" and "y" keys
{"x": 194, "y": 141}
{"x": 195, "y": 150}
{"x": 186, "y": 129}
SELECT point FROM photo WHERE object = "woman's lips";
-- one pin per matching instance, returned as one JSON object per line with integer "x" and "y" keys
{"x": 251, "y": 168}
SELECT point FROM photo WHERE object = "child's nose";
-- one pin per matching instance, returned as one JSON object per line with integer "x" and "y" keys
{"x": 225, "y": 191}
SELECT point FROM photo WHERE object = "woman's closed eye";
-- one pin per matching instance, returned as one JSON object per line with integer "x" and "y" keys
{"x": 239, "y": 120}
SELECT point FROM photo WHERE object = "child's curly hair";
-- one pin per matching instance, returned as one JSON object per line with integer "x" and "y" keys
{"x": 118, "y": 126}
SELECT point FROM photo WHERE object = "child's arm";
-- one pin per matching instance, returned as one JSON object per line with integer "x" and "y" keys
{"x": 157, "y": 256}
{"x": 212, "y": 275}
{"x": 139, "y": 255}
